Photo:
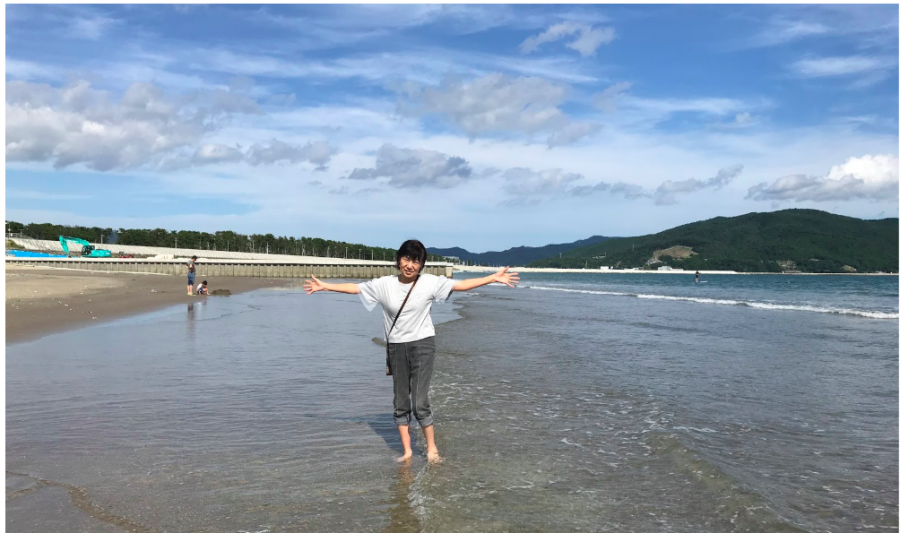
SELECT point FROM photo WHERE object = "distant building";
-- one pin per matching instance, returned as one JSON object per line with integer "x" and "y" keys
{"x": 664, "y": 267}
{"x": 452, "y": 259}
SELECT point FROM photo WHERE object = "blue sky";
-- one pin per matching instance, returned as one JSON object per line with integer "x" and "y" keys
{"x": 481, "y": 126}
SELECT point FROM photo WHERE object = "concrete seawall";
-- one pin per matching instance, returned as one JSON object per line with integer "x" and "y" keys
{"x": 231, "y": 268}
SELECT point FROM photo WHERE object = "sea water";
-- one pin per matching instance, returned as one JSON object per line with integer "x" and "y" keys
{"x": 576, "y": 402}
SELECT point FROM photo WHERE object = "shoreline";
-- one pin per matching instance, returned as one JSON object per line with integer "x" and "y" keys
{"x": 458, "y": 268}
{"x": 42, "y": 301}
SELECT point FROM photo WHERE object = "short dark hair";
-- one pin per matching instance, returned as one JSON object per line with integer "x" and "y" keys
{"x": 414, "y": 250}
{"x": 204, "y": 282}
{"x": 194, "y": 257}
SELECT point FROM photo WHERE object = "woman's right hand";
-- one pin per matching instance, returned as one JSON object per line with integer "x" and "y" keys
{"x": 313, "y": 285}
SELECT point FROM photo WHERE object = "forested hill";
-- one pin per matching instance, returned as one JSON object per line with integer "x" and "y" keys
{"x": 801, "y": 240}
{"x": 518, "y": 256}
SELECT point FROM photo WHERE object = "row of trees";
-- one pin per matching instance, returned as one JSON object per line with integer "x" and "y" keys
{"x": 220, "y": 240}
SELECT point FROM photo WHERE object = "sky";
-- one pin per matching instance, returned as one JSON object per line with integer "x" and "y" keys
{"x": 479, "y": 126}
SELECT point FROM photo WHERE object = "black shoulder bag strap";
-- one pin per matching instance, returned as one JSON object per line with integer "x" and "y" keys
{"x": 387, "y": 343}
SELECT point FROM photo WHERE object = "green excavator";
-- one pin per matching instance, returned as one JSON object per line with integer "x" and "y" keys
{"x": 87, "y": 249}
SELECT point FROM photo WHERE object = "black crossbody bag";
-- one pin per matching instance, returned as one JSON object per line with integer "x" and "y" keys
{"x": 387, "y": 343}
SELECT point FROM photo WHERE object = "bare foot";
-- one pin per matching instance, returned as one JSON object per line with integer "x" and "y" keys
{"x": 434, "y": 457}
{"x": 406, "y": 457}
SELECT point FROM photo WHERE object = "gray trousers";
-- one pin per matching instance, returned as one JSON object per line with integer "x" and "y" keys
{"x": 411, "y": 365}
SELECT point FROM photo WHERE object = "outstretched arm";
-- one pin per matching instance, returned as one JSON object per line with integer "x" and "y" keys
{"x": 501, "y": 276}
{"x": 314, "y": 285}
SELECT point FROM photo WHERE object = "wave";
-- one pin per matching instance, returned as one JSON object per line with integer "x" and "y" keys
{"x": 743, "y": 303}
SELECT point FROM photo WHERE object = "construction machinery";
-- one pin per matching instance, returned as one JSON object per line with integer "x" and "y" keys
{"x": 87, "y": 249}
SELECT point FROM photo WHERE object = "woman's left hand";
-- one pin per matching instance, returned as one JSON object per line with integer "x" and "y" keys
{"x": 507, "y": 278}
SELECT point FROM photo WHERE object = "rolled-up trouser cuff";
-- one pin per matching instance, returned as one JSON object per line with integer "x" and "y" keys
{"x": 412, "y": 364}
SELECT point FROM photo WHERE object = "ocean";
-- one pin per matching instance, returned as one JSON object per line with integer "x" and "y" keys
{"x": 576, "y": 402}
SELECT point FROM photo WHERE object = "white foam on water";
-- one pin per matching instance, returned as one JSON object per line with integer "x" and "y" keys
{"x": 699, "y": 430}
{"x": 746, "y": 303}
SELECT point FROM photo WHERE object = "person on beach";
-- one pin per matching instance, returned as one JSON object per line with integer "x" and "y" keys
{"x": 192, "y": 269}
{"x": 697, "y": 277}
{"x": 203, "y": 289}
{"x": 410, "y": 335}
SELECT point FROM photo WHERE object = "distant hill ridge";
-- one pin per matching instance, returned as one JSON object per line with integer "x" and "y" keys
{"x": 791, "y": 240}
{"x": 518, "y": 256}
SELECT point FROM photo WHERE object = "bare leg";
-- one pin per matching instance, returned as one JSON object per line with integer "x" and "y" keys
{"x": 433, "y": 455}
{"x": 407, "y": 447}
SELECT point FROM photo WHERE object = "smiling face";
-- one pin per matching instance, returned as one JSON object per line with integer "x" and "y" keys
{"x": 409, "y": 267}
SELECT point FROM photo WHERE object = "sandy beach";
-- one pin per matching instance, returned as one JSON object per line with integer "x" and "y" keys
{"x": 44, "y": 300}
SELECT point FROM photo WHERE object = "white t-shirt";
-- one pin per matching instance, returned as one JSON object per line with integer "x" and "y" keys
{"x": 415, "y": 322}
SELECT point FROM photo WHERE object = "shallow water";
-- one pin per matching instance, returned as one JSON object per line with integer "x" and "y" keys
{"x": 579, "y": 409}
{"x": 265, "y": 411}
{"x": 556, "y": 411}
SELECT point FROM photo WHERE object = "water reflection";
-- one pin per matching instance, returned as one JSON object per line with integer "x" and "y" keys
{"x": 401, "y": 516}
{"x": 191, "y": 317}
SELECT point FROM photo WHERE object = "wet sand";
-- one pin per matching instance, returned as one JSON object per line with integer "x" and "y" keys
{"x": 43, "y": 300}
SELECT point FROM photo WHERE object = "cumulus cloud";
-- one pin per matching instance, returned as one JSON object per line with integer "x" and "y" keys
{"x": 871, "y": 177}
{"x": 629, "y": 191}
{"x": 588, "y": 40}
{"x": 528, "y": 186}
{"x": 274, "y": 152}
{"x": 345, "y": 191}
{"x": 605, "y": 100}
{"x": 217, "y": 153}
{"x": 497, "y": 103}
{"x": 78, "y": 124}
{"x": 316, "y": 152}
{"x": 415, "y": 168}
{"x": 570, "y": 133}
{"x": 665, "y": 194}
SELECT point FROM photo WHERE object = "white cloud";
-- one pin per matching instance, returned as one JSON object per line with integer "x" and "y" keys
{"x": 588, "y": 41}
{"x": 743, "y": 118}
{"x": 415, "y": 168}
{"x": 841, "y": 65}
{"x": 90, "y": 28}
{"x": 665, "y": 194}
{"x": 274, "y": 152}
{"x": 570, "y": 133}
{"x": 28, "y": 70}
{"x": 527, "y": 183}
{"x": 629, "y": 191}
{"x": 493, "y": 103}
{"x": 632, "y": 110}
{"x": 79, "y": 124}
{"x": 217, "y": 154}
{"x": 591, "y": 39}
{"x": 44, "y": 196}
{"x": 318, "y": 152}
{"x": 872, "y": 177}
{"x": 605, "y": 100}
{"x": 780, "y": 31}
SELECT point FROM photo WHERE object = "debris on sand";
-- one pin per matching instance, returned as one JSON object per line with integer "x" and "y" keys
{"x": 220, "y": 292}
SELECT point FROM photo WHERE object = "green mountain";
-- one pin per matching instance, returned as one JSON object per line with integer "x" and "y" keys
{"x": 520, "y": 255}
{"x": 792, "y": 240}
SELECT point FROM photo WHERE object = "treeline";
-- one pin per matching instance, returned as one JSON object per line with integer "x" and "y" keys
{"x": 220, "y": 240}
{"x": 804, "y": 240}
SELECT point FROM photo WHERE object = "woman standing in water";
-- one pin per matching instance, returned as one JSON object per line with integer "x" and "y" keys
{"x": 410, "y": 335}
